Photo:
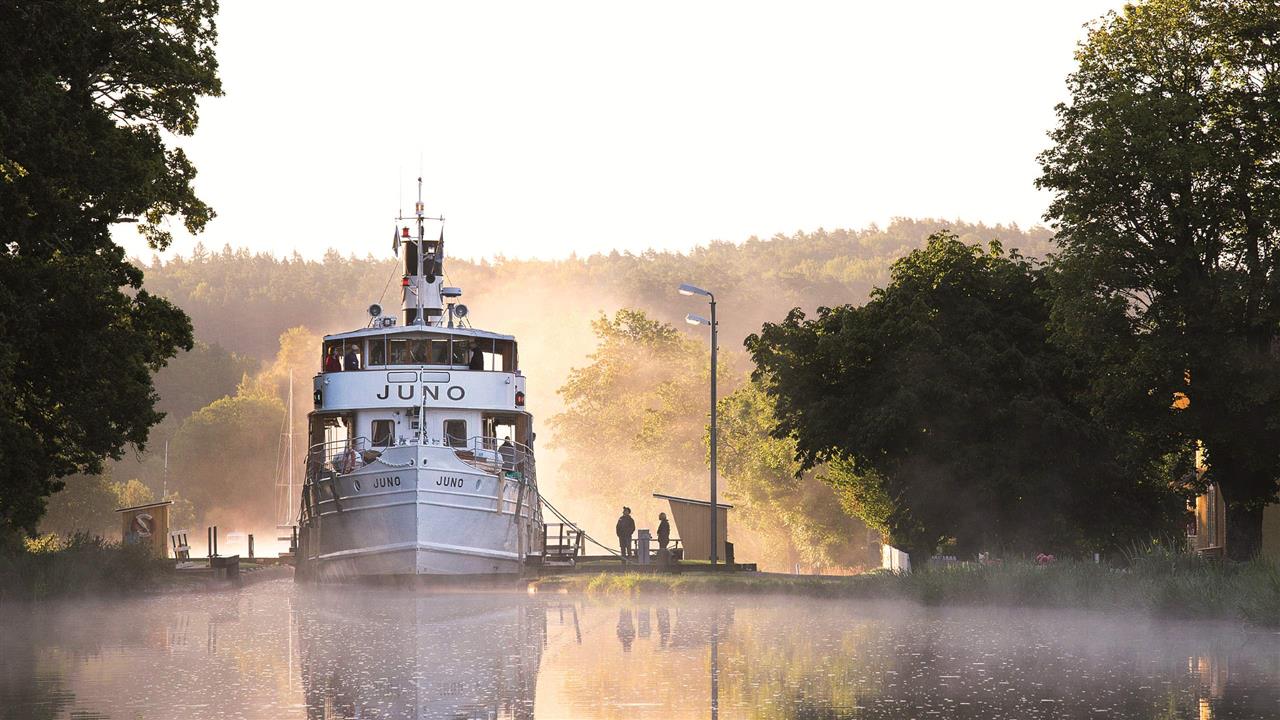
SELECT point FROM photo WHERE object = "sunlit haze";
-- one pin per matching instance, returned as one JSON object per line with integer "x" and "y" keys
{"x": 548, "y": 129}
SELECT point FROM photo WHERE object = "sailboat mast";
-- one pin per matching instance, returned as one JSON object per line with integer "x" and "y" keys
{"x": 289, "y": 452}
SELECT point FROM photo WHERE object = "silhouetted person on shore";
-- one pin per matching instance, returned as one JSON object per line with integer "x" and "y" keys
{"x": 664, "y": 531}
{"x": 625, "y": 528}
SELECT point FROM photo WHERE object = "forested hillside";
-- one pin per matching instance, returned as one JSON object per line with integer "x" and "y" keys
{"x": 224, "y": 398}
{"x": 243, "y": 301}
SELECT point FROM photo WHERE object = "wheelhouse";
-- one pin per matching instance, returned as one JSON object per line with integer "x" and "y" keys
{"x": 420, "y": 349}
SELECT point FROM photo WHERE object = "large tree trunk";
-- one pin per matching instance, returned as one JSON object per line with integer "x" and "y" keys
{"x": 1244, "y": 532}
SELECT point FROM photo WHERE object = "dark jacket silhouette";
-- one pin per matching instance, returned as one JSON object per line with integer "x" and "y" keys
{"x": 664, "y": 533}
{"x": 625, "y": 528}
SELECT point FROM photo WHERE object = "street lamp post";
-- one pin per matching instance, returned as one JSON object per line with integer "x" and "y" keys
{"x": 686, "y": 289}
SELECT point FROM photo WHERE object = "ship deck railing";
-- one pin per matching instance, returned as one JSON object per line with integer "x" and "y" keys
{"x": 488, "y": 454}
{"x": 336, "y": 457}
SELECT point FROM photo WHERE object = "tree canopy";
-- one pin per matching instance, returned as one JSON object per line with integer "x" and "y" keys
{"x": 945, "y": 413}
{"x": 634, "y": 415}
{"x": 1165, "y": 170}
{"x": 86, "y": 91}
{"x": 798, "y": 518}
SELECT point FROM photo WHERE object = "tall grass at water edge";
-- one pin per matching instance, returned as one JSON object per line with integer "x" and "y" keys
{"x": 80, "y": 564}
{"x": 1158, "y": 582}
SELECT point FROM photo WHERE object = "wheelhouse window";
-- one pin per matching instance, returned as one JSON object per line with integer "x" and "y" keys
{"x": 461, "y": 351}
{"x": 377, "y": 353}
{"x": 383, "y": 433}
{"x": 331, "y": 357}
{"x": 491, "y": 354}
{"x": 429, "y": 350}
{"x": 455, "y": 432}
{"x": 399, "y": 352}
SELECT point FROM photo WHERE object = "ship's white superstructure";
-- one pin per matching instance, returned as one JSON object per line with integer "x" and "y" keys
{"x": 421, "y": 451}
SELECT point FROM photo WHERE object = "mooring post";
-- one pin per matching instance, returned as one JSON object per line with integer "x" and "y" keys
{"x": 250, "y": 546}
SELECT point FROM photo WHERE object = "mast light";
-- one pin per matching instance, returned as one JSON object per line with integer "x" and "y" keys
{"x": 404, "y": 232}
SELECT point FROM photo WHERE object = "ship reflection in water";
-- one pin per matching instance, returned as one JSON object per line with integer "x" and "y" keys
{"x": 274, "y": 650}
{"x": 370, "y": 653}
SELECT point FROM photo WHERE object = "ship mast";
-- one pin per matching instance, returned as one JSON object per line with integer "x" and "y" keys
{"x": 417, "y": 209}
{"x": 420, "y": 269}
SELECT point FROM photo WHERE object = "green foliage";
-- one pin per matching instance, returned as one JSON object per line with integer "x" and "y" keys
{"x": 243, "y": 301}
{"x": 945, "y": 413}
{"x": 85, "y": 503}
{"x": 634, "y": 417}
{"x": 249, "y": 303}
{"x": 223, "y": 459}
{"x": 798, "y": 516}
{"x": 1165, "y": 170}
{"x": 132, "y": 493}
{"x": 198, "y": 377}
{"x": 86, "y": 90}
{"x": 78, "y": 564}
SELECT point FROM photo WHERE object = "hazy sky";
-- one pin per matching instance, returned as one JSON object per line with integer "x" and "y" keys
{"x": 550, "y": 128}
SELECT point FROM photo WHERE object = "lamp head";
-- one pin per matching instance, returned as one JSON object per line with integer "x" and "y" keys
{"x": 696, "y": 319}
{"x": 687, "y": 289}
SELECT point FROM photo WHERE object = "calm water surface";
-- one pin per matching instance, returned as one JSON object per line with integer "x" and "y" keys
{"x": 274, "y": 650}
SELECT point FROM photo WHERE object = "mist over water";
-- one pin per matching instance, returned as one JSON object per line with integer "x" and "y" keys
{"x": 277, "y": 650}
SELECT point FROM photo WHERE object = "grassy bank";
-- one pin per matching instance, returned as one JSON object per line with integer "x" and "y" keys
{"x": 1162, "y": 584}
{"x": 52, "y": 567}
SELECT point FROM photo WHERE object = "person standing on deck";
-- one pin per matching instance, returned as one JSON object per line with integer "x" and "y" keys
{"x": 351, "y": 361}
{"x": 331, "y": 361}
{"x": 664, "y": 531}
{"x": 625, "y": 527}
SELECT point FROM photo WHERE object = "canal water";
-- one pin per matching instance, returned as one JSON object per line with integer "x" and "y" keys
{"x": 276, "y": 650}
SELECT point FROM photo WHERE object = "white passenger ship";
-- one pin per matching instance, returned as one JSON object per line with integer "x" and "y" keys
{"x": 421, "y": 450}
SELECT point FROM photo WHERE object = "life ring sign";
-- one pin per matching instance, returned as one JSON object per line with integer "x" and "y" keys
{"x": 143, "y": 525}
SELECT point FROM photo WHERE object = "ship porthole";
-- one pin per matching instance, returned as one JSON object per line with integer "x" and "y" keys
{"x": 478, "y": 481}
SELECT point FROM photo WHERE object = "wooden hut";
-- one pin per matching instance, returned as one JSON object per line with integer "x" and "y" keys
{"x": 692, "y": 519}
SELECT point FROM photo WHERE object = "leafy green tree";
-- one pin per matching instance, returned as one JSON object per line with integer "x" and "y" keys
{"x": 798, "y": 517}
{"x": 86, "y": 89}
{"x": 223, "y": 459}
{"x": 198, "y": 377}
{"x": 634, "y": 417}
{"x": 86, "y": 503}
{"x": 1165, "y": 171}
{"x": 945, "y": 413}
{"x": 131, "y": 493}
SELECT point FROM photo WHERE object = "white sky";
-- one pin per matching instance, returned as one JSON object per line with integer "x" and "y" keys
{"x": 550, "y": 128}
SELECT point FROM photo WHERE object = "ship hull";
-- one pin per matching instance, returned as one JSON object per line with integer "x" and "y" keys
{"x": 418, "y": 511}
